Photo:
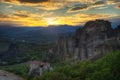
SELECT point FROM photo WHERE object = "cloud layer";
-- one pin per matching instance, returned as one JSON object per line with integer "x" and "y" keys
{"x": 56, "y": 12}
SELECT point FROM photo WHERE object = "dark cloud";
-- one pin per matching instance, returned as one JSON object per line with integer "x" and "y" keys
{"x": 7, "y": 0}
{"x": 82, "y": 7}
{"x": 76, "y": 8}
{"x": 21, "y": 15}
{"x": 118, "y": 7}
{"x": 99, "y": 3}
{"x": 3, "y": 15}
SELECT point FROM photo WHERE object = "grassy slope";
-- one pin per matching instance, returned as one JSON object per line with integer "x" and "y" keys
{"x": 18, "y": 69}
{"x": 106, "y": 68}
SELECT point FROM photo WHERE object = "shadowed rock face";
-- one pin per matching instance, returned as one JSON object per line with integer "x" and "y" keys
{"x": 96, "y": 38}
{"x": 11, "y": 53}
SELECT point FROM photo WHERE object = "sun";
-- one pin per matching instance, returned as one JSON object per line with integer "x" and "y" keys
{"x": 51, "y": 21}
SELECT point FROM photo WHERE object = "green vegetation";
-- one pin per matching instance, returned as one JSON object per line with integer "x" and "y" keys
{"x": 4, "y": 45}
{"x": 26, "y": 52}
{"x": 106, "y": 68}
{"x": 18, "y": 69}
{"x": 32, "y": 51}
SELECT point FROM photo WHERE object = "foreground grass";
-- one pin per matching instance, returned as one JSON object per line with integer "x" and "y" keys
{"x": 18, "y": 69}
{"x": 106, "y": 68}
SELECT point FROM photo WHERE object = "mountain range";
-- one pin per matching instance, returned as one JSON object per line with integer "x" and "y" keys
{"x": 36, "y": 34}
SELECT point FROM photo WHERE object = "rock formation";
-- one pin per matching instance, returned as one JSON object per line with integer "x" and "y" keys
{"x": 38, "y": 67}
{"x": 95, "y": 39}
{"x": 10, "y": 54}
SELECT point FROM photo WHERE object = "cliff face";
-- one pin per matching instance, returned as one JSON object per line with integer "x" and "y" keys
{"x": 95, "y": 39}
{"x": 10, "y": 54}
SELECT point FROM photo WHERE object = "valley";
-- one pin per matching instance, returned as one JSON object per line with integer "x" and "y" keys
{"x": 77, "y": 54}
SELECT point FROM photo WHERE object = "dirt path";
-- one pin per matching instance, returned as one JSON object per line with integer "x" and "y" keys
{"x": 4, "y": 75}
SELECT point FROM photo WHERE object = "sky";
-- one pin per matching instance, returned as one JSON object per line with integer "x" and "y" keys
{"x": 57, "y": 12}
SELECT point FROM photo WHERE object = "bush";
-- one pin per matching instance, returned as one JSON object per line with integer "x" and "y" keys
{"x": 106, "y": 68}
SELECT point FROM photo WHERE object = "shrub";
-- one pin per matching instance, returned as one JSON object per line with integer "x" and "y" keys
{"x": 106, "y": 68}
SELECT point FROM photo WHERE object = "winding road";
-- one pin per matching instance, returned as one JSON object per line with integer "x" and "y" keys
{"x": 4, "y": 75}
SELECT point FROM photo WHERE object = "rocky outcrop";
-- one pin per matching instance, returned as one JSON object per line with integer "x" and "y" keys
{"x": 38, "y": 67}
{"x": 95, "y": 39}
{"x": 10, "y": 54}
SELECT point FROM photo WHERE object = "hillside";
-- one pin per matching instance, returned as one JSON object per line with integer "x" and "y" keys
{"x": 36, "y": 34}
{"x": 19, "y": 52}
{"x": 106, "y": 68}
{"x": 74, "y": 56}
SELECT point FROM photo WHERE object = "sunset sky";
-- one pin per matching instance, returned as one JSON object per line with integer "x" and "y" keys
{"x": 56, "y": 12}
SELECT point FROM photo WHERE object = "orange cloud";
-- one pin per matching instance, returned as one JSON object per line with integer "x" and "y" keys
{"x": 117, "y": 7}
{"x": 23, "y": 18}
{"x": 35, "y": 20}
{"x": 48, "y": 4}
{"x": 30, "y": 18}
{"x": 78, "y": 19}
{"x": 112, "y": 2}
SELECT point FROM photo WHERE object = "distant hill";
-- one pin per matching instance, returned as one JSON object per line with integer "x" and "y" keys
{"x": 36, "y": 34}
